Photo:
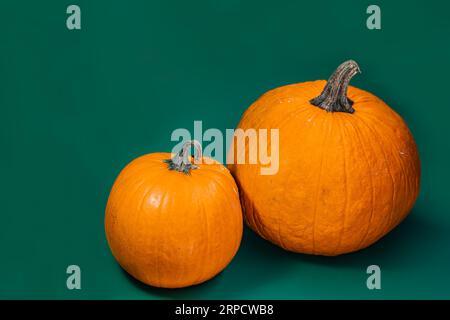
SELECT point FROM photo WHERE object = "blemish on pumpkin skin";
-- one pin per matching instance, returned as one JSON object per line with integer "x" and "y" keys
{"x": 325, "y": 192}
{"x": 113, "y": 219}
{"x": 154, "y": 200}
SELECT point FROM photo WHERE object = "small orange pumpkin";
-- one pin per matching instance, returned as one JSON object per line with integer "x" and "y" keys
{"x": 348, "y": 167}
{"x": 170, "y": 223}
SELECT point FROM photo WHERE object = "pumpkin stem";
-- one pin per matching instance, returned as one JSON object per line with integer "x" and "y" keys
{"x": 334, "y": 96}
{"x": 181, "y": 161}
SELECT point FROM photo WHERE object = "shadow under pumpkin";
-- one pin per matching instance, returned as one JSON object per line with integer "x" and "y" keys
{"x": 258, "y": 261}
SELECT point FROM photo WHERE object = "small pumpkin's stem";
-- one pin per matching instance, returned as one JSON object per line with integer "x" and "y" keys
{"x": 182, "y": 160}
{"x": 334, "y": 96}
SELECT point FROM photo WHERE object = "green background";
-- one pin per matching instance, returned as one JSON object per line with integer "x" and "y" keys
{"x": 77, "y": 106}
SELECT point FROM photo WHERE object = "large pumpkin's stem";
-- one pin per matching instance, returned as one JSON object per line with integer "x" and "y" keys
{"x": 334, "y": 96}
{"x": 182, "y": 160}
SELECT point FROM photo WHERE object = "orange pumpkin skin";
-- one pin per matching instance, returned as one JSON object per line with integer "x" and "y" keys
{"x": 344, "y": 179}
{"x": 170, "y": 229}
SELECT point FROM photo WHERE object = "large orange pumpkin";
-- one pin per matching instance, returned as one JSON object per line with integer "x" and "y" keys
{"x": 170, "y": 223}
{"x": 348, "y": 167}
